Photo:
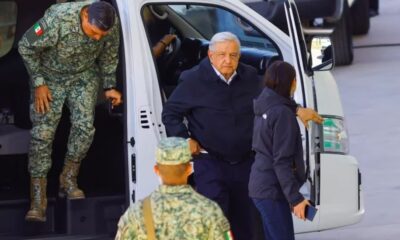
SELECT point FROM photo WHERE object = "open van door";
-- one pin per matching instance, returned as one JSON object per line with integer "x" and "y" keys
{"x": 333, "y": 174}
{"x": 143, "y": 101}
{"x": 306, "y": 99}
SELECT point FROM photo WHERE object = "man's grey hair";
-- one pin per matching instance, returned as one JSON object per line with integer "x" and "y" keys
{"x": 222, "y": 37}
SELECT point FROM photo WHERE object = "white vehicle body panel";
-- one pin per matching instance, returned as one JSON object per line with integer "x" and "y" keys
{"x": 340, "y": 188}
{"x": 327, "y": 94}
{"x": 144, "y": 99}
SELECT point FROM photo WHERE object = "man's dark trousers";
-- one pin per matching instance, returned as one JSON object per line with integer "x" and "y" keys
{"x": 227, "y": 184}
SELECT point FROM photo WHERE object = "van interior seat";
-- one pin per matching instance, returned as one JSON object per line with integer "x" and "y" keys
{"x": 14, "y": 82}
{"x": 9, "y": 136}
{"x": 14, "y": 88}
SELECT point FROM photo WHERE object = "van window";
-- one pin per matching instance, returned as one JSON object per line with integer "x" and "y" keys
{"x": 8, "y": 20}
{"x": 209, "y": 20}
{"x": 194, "y": 26}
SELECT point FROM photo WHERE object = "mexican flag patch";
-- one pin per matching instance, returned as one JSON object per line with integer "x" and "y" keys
{"x": 228, "y": 235}
{"x": 38, "y": 29}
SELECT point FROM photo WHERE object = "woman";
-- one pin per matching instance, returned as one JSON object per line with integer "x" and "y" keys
{"x": 278, "y": 170}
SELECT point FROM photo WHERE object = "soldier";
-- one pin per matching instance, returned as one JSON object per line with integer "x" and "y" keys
{"x": 176, "y": 210}
{"x": 68, "y": 53}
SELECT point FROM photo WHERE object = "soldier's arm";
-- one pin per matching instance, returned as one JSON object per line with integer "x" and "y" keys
{"x": 220, "y": 228}
{"x": 108, "y": 59}
{"x": 127, "y": 226}
{"x": 42, "y": 35}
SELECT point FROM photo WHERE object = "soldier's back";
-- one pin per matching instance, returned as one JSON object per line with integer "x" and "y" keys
{"x": 66, "y": 10}
{"x": 179, "y": 213}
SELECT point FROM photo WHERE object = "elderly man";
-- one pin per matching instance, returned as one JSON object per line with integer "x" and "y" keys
{"x": 216, "y": 97}
{"x": 174, "y": 210}
{"x": 68, "y": 53}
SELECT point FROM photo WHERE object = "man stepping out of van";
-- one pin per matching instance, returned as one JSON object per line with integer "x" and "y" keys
{"x": 68, "y": 53}
{"x": 174, "y": 210}
{"x": 216, "y": 97}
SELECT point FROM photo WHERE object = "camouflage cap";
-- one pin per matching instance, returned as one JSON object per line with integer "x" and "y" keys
{"x": 173, "y": 151}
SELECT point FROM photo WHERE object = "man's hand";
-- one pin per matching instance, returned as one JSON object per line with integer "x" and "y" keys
{"x": 42, "y": 99}
{"x": 114, "y": 96}
{"x": 194, "y": 146}
{"x": 300, "y": 209}
{"x": 168, "y": 38}
{"x": 307, "y": 114}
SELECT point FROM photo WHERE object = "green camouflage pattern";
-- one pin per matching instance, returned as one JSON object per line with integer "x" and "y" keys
{"x": 68, "y": 181}
{"x": 62, "y": 48}
{"x": 173, "y": 151}
{"x": 179, "y": 213}
{"x": 38, "y": 194}
{"x": 37, "y": 211}
{"x": 73, "y": 66}
{"x": 80, "y": 96}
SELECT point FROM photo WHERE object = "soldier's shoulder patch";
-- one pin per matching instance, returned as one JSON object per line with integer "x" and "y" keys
{"x": 37, "y": 30}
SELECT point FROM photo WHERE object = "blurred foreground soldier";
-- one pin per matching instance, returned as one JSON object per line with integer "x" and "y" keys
{"x": 174, "y": 210}
{"x": 68, "y": 53}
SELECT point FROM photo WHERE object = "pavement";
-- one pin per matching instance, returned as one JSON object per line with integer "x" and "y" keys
{"x": 370, "y": 90}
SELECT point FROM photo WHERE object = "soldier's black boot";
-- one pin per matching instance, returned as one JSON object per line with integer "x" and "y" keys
{"x": 68, "y": 181}
{"x": 37, "y": 212}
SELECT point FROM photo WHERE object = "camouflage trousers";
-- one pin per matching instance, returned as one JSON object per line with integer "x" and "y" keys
{"x": 79, "y": 93}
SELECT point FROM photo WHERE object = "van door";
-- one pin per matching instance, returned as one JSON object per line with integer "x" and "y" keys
{"x": 335, "y": 178}
{"x": 143, "y": 101}
{"x": 300, "y": 59}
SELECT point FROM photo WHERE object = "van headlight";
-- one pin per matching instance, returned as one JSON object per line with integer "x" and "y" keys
{"x": 334, "y": 135}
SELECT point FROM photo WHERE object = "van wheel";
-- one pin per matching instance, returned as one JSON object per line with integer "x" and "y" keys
{"x": 360, "y": 17}
{"x": 342, "y": 41}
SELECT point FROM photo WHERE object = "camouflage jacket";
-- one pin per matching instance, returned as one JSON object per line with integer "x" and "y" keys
{"x": 179, "y": 213}
{"x": 57, "y": 46}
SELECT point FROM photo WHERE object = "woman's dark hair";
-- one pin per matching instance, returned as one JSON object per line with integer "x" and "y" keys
{"x": 102, "y": 15}
{"x": 279, "y": 77}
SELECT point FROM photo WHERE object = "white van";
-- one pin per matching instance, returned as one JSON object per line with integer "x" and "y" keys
{"x": 119, "y": 167}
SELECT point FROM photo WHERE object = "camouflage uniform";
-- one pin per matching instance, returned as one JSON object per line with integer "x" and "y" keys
{"x": 178, "y": 211}
{"x": 57, "y": 53}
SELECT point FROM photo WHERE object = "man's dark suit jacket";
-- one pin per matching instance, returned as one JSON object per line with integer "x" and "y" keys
{"x": 220, "y": 116}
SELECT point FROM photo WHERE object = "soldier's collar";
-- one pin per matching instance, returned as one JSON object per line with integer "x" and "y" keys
{"x": 174, "y": 189}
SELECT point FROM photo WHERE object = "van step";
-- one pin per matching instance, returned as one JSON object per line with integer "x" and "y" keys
{"x": 90, "y": 218}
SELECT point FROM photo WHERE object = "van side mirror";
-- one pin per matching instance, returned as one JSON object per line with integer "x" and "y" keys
{"x": 322, "y": 55}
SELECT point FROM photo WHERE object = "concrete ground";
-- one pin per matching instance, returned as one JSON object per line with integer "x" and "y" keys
{"x": 370, "y": 90}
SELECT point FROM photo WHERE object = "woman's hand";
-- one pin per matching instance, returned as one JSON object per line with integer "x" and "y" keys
{"x": 307, "y": 114}
{"x": 300, "y": 209}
